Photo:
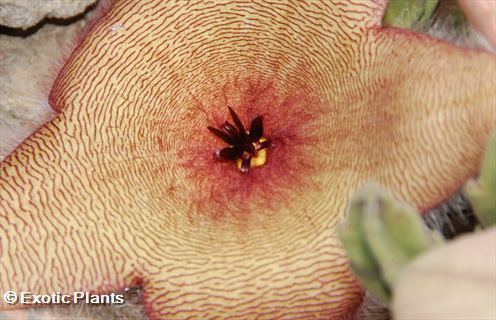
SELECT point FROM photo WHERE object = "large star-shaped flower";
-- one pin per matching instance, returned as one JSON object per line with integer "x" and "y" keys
{"x": 122, "y": 185}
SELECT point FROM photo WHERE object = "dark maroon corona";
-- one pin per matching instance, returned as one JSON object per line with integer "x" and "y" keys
{"x": 247, "y": 148}
{"x": 266, "y": 156}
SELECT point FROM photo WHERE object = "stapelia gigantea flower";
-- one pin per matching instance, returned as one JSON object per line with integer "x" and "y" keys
{"x": 123, "y": 186}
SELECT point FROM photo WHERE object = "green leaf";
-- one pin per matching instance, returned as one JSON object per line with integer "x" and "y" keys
{"x": 381, "y": 237}
{"x": 362, "y": 261}
{"x": 409, "y": 13}
{"x": 482, "y": 194}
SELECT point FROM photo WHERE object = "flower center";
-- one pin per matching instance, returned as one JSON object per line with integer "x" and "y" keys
{"x": 247, "y": 148}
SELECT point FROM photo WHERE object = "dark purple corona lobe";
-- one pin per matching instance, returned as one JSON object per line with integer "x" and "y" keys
{"x": 282, "y": 124}
{"x": 247, "y": 149}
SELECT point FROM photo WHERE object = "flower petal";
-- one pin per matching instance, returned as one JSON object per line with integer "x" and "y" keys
{"x": 122, "y": 184}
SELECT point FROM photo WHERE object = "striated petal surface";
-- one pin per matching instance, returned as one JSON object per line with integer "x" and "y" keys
{"x": 122, "y": 187}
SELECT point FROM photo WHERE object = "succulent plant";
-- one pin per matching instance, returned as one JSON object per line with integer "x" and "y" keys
{"x": 123, "y": 187}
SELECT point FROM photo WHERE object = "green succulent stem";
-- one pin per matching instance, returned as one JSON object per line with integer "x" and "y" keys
{"x": 409, "y": 13}
{"x": 381, "y": 237}
{"x": 482, "y": 194}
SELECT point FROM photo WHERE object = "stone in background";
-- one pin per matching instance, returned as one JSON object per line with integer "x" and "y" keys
{"x": 27, "y": 13}
{"x": 28, "y": 60}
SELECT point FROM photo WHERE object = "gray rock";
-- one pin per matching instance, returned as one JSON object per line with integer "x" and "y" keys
{"x": 27, "y": 67}
{"x": 26, "y": 13}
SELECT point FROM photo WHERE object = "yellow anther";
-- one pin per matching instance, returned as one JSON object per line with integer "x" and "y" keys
{"x": 257, "y": 161}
